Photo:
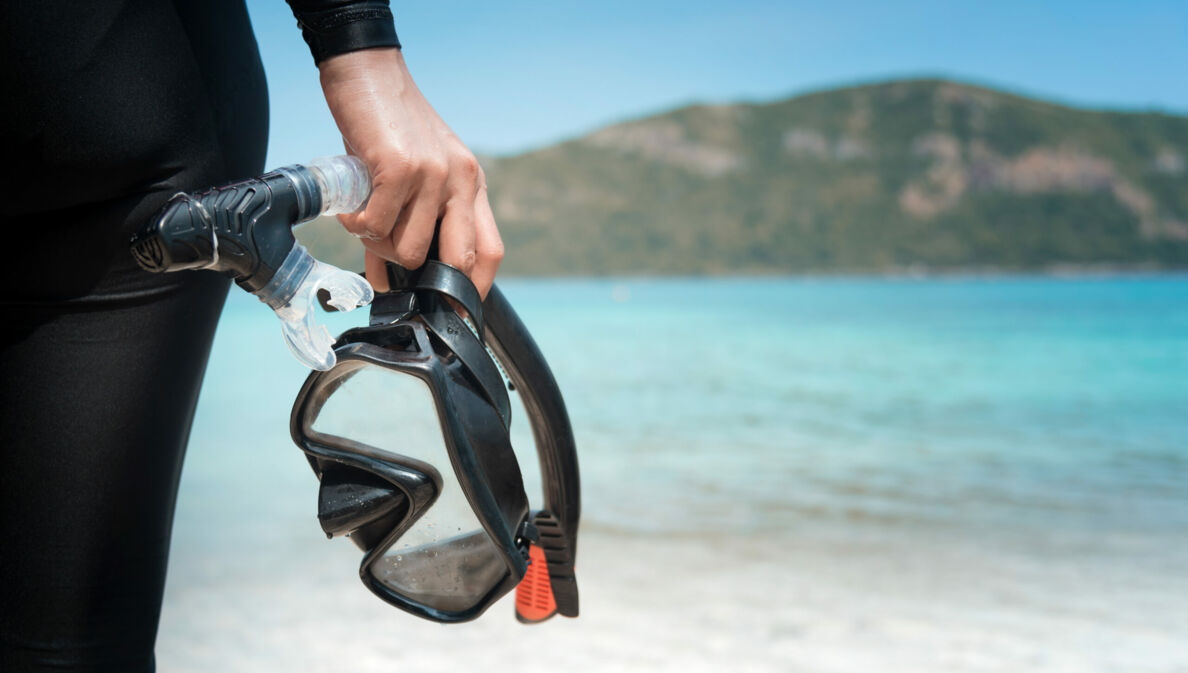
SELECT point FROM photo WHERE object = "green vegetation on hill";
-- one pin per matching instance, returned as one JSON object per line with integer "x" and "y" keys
{"x": 905, "y": 174}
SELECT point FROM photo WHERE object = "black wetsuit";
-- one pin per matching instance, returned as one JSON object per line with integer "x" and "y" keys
{"x": 110, "y": 108}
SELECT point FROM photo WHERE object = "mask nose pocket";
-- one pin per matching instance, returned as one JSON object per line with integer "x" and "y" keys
{"x": 359, "y": 504}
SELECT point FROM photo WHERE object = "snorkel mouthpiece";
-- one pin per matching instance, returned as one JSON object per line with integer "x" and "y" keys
{"x": 244, "y": 230}
{"x": 293, "y": 293}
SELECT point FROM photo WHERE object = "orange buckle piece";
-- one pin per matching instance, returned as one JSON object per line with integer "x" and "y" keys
{"x": 534, "y": 594}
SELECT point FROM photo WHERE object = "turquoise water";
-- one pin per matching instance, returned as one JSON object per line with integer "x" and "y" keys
{"x": 757, "y": 404}
{"x": 1032, "y": 432}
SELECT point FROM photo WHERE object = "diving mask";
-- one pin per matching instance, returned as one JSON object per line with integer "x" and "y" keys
{"x": 443, "y": 520}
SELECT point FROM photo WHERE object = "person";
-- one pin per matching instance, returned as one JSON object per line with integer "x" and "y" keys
{"x": 113, "y": 107}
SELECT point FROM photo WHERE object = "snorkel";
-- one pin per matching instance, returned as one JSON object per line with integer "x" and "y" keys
{"x": 550, "y": 586}
{"x": 432, "y": 326}
{"x": 245, "y": 230}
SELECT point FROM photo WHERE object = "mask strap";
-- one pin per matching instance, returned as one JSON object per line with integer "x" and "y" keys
{"x": 441, "y": 278}
{"x": 431, "y": 284}
{"x": 445, "y": 279}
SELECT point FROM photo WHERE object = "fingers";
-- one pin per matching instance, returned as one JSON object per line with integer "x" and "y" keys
{"x": 400, "y": 221}
{"x": 456, "y": 239}
{"x": 469, "y": 241}
{"x": 409, "y": 242}
{"x": 377, "y": 271}
{"x": 390, "y": 190}
{"x": 488, "y": 245}
{"x": 400, "y": 229}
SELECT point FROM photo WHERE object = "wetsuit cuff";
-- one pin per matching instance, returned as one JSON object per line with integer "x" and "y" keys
{"x": 332, "y": 28}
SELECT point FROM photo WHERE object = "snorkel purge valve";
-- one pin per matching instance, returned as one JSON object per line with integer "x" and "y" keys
{"x": 245, "y": 231}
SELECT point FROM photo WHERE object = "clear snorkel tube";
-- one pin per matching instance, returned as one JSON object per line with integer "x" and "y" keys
{"x": 245, "y": 230}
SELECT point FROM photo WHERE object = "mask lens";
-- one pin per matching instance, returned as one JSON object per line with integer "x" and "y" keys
{"x": 449, "y": 573}
{"x": 445, "y": 560}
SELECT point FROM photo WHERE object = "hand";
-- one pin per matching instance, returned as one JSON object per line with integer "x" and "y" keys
{"x": 420, "y": 171}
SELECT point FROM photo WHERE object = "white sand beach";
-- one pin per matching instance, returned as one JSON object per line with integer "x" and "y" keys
{"x": 698, "y": 605}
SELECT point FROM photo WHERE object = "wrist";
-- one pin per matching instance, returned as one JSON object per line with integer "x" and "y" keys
{"x": 372, "y": 68}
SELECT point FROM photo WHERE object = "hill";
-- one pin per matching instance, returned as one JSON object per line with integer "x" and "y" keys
{"x": 906, "y": 174}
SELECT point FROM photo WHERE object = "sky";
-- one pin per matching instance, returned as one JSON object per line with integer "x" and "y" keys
{"x": 512, "y": 76}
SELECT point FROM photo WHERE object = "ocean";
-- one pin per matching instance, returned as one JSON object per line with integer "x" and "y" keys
{"x": 779, "y": 474}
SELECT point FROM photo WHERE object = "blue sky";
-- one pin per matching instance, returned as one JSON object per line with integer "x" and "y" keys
{"x": 516, "y": 75}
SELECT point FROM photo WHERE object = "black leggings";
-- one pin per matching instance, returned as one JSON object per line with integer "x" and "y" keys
{"x": 112, "y": 108}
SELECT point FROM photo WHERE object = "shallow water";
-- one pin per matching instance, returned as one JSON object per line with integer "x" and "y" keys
{"x": 778, "y": 474}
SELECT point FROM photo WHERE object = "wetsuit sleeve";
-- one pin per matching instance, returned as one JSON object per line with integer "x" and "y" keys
{"x": 333, "y": 27}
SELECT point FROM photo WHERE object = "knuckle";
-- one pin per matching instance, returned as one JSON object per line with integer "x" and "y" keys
{"x": 359, "y": 225}
{"x": 433, "y": 170}
{"x": 390, "y": 163}
{"x": 467, "y": 260}
{"x": 492, "y": 252}
{"x": 373, "y": 227}
{"x": 410, "y": 256}
{"x": 467, "y": 167}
